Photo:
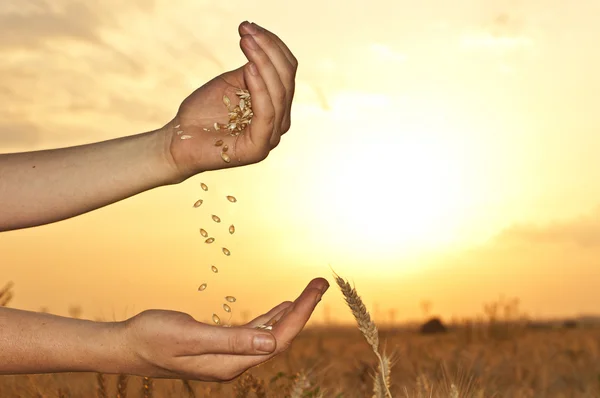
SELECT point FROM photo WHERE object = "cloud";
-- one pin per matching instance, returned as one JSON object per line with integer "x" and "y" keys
{"x": 503, "y": 33}
{"x": 385, "y": 53}
{"x": 68, "y": 66}
{"x": 583, "y": 231}
{"x": 41, "y": 21}
{"x": 505, "y": 25}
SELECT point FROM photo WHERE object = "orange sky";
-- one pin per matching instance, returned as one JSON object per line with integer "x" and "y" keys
{"x": 445, "y": 151}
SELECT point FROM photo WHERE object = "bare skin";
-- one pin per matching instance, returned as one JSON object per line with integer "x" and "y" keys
{"x": 43, "y": 187}
{"x": 66, "y": 182}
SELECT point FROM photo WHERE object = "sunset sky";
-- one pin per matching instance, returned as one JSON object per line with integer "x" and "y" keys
{"x": 444, "y": 151}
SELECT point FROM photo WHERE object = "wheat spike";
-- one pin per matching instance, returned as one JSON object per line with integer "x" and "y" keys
{"x": 188, "y": 388}
{"x": 122, "y": 386}
{"x": 6, "y": 294}
{"x": 301, "y": 383}
{"x": 247, "y": 384}
{"x": 362, "y": 316}
{"x": 367, "y": 328}
{"x": 147, "y": 387}
{"x": 101, "y": 380}
{"x": 454, "y": 391}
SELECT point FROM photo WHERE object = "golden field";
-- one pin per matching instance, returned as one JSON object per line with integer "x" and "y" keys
{"x": 486, "y": 360}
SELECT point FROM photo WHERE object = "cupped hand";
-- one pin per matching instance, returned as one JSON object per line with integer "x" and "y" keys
{"x": 169, "y": 344}
{"x": 269, "y": 76}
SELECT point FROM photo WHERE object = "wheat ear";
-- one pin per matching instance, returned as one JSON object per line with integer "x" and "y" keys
{"x": 365, "y": 324}
{"x": 299, "y": 386}
{"x": 101, "y": 380}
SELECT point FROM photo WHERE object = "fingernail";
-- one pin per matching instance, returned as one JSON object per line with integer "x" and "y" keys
{"x": 251, "y": 43}
{"x": 319, "y": 297}
{"x": 251, "y": 27}
{"x": 257, "y": 28}
{"x": 252, "y": 69}
{"x": 325, "y": 288}
{"x": 264, "y": 343}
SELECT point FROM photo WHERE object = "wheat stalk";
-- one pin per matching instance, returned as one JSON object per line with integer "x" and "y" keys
{"x": 367, "y": 328}
{"x": 381, "y": 380}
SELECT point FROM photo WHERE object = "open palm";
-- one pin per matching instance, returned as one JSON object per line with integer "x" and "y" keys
{"x": 172, "y": 344}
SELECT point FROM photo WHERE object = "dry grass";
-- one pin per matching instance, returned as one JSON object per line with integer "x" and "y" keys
{"x": 544, "y": 363}
{"x": 470, "y": 361}
{"x": 6, "y": 294}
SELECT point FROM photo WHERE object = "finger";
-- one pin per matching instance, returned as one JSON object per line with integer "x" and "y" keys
{"x": 247, "y": 28}
{"x": 272, "y": 314}
{"x": 263, "y": 120}
{"x": 288, "y": 327}
{"x": 273, "y": 47}
{"x": 233, "y": 341}
{"x": 270, "y": 75}
{"x": 293, "y": 322}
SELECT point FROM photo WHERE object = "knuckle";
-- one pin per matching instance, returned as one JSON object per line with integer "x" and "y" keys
{"x": 234, "y": 344}
{"x": 289, "y": 77}
{"x": 280, "y": 95}
{"x": 275, "y": 141}
{"x": 262, "y": 154}
{"x": 283, "y": 347}
{"x": 270, "y": 119}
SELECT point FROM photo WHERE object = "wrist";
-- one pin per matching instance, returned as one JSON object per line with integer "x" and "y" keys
{"x": 161, "y": 153}
{"x": 110, "y": 351}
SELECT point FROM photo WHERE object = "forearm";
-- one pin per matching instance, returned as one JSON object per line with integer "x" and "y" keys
{"x": 42, "y": 343}
{"x": 42, "y": 187}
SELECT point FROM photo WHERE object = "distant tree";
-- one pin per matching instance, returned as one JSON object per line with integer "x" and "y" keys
{"x": 433, "y": 326}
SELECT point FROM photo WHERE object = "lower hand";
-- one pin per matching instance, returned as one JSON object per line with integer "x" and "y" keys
{"x": 169, "y": 344}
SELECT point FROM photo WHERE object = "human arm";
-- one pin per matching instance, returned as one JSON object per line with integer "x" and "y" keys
{"x": 42, "y": 187}
{"x": 154, "y": 343}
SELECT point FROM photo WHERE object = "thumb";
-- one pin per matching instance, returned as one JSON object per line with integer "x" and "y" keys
{"x": 238, "y": 341}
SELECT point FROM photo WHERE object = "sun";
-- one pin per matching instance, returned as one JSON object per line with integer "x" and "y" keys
{"x": 387, "y": 191}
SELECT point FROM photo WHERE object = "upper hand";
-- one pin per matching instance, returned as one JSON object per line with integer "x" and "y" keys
{"x": 172, "y": 344}
{"x": 271, "y": 90}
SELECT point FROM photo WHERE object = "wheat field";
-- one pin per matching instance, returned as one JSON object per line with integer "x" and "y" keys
{"x": 495, "y": 358}
{"x": 337, "y": 361}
